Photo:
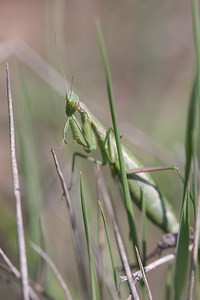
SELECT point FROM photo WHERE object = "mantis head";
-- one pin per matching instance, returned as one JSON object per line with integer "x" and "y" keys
{"x": 72, "y": 103}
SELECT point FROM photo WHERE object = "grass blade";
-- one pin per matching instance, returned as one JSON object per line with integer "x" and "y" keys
{"x": 17, "y": 195}
{"x": 196, "y": 171}
{"x": 93, "y": 277}
{"x": 169, "y": 284}
{"x": 126, "y": 193}
{"x": 17, "y": 274}
{"x": 182, "y": 250}
{"x": 77, "y": 243}
{"x": 144, "y": 231}
{"x": 148, "y": 291}
{"x": 110, "y": 247}
{"x": 120, "y": 243}
{"x": 30, "y": 166}
{"x": 54, "y": 269}
{"x": 144, "y": 294}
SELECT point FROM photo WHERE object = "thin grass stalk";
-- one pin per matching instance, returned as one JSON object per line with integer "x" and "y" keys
{"x": 54, "y": 269}
{"x": 144, "y": 231}
{"x": 77, "y": 244}
{"x": 125, "y": 261}
{"x": 152, "y": 266}
{"x": 107, "y": 279}
{"x": 94, "y": 284}
{"x": 41, "y": 273}
{"x": 33, "y": 288}
{"x": 17, "y": 195}
{"x": 126, "y": 192}
{"x": 120, "y": 243}
{"x": 101, "y": 238}
{"x": 16, "y": 273}
{"x": 109, "y": 246}
{"x": 12, "y": 284}
{"x": 144, "y": 294}
{"x": 148, "y": 291}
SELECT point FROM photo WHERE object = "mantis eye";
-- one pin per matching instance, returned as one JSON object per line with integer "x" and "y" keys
{"x": 72, "y": 103}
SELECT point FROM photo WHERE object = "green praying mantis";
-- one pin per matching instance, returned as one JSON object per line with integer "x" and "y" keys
{"x": 90, "y": 134}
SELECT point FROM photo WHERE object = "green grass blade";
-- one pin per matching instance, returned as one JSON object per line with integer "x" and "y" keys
{"x": 29, "y": 163}
{"x": 195, "y": 156}
{"x": 144, "y": 294}
{"x": 182, "y": 252}
{"x": 190, "y": 131}
{"x": 30, "y": 170}
{"x": 93, "y": 277}
{"x": 110, "y": 247}
{"x": 169, "y": 283}
{"x": 196, "y": 41}
{"x": 144, "y": 231}
{"x": 126, "y": 193}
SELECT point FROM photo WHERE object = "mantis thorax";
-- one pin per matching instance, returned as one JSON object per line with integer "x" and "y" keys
{"x": 72, "y": 103}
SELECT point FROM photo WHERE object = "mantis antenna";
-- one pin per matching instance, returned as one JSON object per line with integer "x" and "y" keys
{"x": 60, "y": 63}
{"x": 72, "y": 81}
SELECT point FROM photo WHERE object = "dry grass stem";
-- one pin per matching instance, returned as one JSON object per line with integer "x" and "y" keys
{"x": 138, "y": 275}
{"x": 77, "y": 244}
{"x": 13, "y": 285}
{"x": 120, "y": 244}
{"x": 149, "y": 295}
{"x": 54, "y": 269}
{"x": 16, "y": 273}
{"x": 16, "y": 187}
{"x": 41, "y": 273}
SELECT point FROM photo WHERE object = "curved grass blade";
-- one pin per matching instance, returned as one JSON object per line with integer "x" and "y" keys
{"x": 126, "y": 193}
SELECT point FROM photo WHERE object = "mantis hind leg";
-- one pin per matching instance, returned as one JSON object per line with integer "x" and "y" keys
{"x": 89, "y": 158}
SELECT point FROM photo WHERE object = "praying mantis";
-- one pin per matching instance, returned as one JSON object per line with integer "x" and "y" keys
{"x": 90, "y": 134}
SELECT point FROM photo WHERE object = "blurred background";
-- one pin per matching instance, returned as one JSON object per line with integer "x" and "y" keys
{"x": 151, "y": 56}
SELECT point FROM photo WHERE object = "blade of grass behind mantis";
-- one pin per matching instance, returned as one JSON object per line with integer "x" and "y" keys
{"x": 109, "y": 245}
{"x": 126, "y": 193}
{"x": 29, "y": 162}
{"x": 93, "y": 277}
{"x": 182, "y": 248}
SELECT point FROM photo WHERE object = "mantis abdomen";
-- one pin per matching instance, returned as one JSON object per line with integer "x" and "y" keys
{"x": 142, "y": 186}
